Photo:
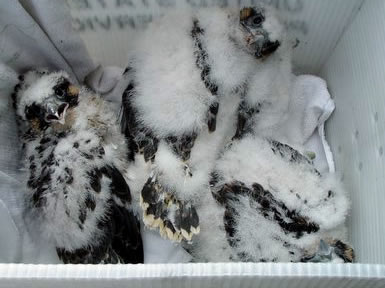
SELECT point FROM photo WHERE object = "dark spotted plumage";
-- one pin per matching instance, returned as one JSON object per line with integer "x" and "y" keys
{"x": 176, "y": 220}
{"x": 126, "y": 241}
{"x": 118, "y": 185}
{"x": 344, "y": 251}
{"x": 114, "y": 249}
{"x": 76, "y": 190}
{"x": 140, "y": 139}
{"x": 182, "y": 145}
{"x": 100, "y": 254}
{"x": 95, "y": 178}
{"x": 90, "y": 202}
{"x": 290, "y": 154}
{"x": 202, "y": 63}
{"x": 244, "y": 121}
{"x": 35, "y": 111}
{"x": 276, "y": 207}
{"x": 289, "y": 220}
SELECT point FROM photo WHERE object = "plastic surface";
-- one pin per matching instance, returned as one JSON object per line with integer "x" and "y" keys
{"x": 355, "y": 74}
{"x": 194, "y": 275}
{"x": 9, "y": 237}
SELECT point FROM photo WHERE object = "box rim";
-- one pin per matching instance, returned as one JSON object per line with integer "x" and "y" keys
{"x": 191, "y": 270}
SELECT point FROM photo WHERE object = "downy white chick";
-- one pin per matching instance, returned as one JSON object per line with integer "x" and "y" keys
{"x": 276, "y": 207}
{"x": 75, "y": 156}
{"x": 186, "y": 78}
{"x": 263, "y": 107}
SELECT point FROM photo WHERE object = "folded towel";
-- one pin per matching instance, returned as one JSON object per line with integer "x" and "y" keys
{"x": 310, "y": 107}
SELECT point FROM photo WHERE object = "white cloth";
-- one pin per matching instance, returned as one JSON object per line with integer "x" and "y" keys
{"x": 38, "y": 33}
{"x": 310, "y": 107}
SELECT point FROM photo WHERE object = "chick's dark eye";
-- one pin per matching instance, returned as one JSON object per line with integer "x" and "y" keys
{"x": 61, "y": 90}
{"x": 257, "y": 20}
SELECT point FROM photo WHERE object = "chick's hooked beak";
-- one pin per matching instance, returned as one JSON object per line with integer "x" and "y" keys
{"x": 56, "y": 112}
{"x": 66, "y": 96}
{"x": 257, "y": 38}
{"x": 268, "y": 47}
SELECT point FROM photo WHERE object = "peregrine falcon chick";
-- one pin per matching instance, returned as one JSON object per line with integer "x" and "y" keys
{"x": 276, "y": 207}
{"x": 187, "y": 76}
{"x": 77, "y": 196}
{"x": 263, "y": 108}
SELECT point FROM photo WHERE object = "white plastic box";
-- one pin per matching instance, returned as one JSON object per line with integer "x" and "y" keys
{"x": 343, "y": 41}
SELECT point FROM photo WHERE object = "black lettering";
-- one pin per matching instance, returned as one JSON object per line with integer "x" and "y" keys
{"x": 143, "y": 20}
{"x": 102, "y": 3}
{"x": 166, "y": 3}
{"x": 125, "y": 21}
{"x": 79, "y": 4}
{"x": 104, "y": 23}
{"x": 197, "y": 3}
{"x": 78, "y": 25}
{"x": 89, "y": 24}
{"x": 120, "y": 3}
